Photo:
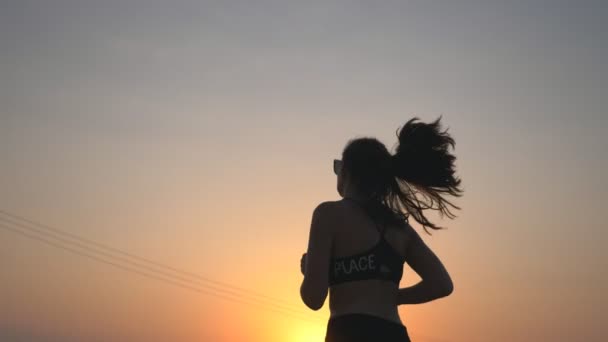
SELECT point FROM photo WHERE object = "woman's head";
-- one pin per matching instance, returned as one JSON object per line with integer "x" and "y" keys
{"x": 365, "y": 168}
{"x": 407, "y": 182}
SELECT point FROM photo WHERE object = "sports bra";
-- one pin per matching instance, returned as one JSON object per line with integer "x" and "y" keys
{"x": 381, "y": 261}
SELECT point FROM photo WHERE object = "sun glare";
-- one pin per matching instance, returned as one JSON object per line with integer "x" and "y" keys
{"x": 307, "y": 333}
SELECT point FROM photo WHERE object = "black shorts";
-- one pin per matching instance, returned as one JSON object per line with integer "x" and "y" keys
{"x": 364, "y": 328}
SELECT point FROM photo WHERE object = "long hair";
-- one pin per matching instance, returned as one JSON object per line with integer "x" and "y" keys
{"x": 415, "y": 178}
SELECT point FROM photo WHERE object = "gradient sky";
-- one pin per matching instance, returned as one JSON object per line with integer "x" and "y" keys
{"x": 200, "y": 134}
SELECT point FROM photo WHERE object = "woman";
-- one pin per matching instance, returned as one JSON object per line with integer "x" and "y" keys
{"x": 357, "y": 246}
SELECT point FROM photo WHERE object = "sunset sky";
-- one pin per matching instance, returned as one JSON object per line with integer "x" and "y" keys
{"x": 201, "y": 134}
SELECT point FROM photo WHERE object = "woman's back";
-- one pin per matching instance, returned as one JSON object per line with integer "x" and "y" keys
{"x": 358, "y": 261}
{"x": 356, "y": 233}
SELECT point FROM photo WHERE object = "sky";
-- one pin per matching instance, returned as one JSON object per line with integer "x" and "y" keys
{"x": 201, "y": 134}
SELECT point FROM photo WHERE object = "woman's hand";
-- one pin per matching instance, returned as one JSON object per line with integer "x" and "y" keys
{"x": 303, "y": 263}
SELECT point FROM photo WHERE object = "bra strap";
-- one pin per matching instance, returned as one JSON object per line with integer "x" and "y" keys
{"x": 381, "y": 230}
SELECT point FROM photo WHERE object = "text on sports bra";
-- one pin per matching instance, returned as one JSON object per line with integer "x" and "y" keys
{"x": 363, "y": 263}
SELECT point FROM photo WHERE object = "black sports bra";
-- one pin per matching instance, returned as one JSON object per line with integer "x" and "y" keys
{"x": 379, "y": 262}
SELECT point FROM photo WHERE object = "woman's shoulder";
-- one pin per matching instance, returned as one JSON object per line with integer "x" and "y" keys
{"x": 327, "y": 209}
{"x": 331, "y": 205}
{"x": 326, "y": 206}
{"x": 332, "y": 210}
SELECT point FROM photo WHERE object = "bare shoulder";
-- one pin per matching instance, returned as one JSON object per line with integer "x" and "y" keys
{"x": 324, "y": 218}
{"x": 412, "y": 234}
{"x": 328, "y": 209}
{"x": 329, "y": 212}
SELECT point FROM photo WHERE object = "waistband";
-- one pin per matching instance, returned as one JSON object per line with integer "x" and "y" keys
{"x": 360, "y": 327}
{"x": 359, "y": 317}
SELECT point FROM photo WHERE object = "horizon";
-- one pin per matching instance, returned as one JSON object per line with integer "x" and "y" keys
{"x": 196, "y": 138}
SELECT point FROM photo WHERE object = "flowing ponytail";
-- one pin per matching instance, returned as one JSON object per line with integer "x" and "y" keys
{"x": 423, "y": 167}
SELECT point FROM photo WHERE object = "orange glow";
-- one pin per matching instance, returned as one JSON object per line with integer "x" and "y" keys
{"x": 201, "y": 136}
{"x": 306, "y": 332}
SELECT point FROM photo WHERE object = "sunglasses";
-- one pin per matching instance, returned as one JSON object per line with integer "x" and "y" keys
{"x": 337, "y": 166}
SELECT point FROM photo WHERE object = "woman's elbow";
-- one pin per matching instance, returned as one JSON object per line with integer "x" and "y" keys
{"x": 313, "y": 304}
{"x": 313, "y": 301}
{"x": 446, "y": 288}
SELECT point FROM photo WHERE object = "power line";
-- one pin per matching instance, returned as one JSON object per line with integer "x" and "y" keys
{"x": 147, "y": 268}
{"x": 241, "y": 300}
{"x": 151, "y": 269}
{"x": 133, "y": 256}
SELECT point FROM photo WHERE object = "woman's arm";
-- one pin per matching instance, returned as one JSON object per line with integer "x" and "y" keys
{"x": 435, "y": 283}
{"x": 316, "y": 268}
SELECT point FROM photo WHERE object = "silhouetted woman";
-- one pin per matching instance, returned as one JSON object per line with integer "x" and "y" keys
{"x": 358, "y": 245}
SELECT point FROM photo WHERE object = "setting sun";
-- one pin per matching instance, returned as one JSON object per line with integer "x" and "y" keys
{"x": 161, "y": 162}
{"x": 306, "y": 332}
